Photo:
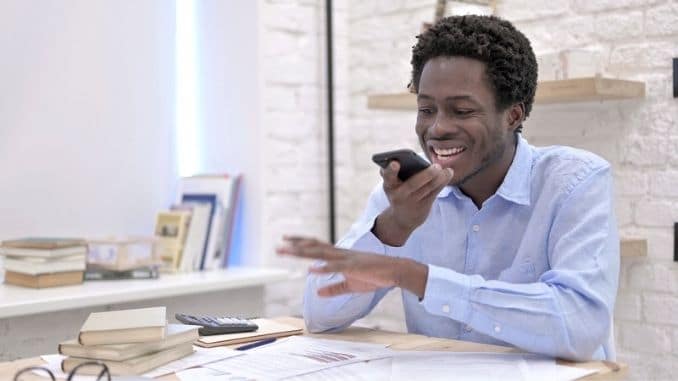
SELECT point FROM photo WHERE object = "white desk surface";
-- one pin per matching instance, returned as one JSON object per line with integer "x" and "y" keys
{"x": 18, "y": 301}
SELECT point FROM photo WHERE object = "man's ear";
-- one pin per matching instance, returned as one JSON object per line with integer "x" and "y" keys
{"x": 515, "y": 116}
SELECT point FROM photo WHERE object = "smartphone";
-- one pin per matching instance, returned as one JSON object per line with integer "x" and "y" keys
{"x": 410, "y": 162}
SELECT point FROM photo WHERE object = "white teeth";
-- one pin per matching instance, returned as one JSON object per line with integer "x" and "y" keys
{"x": 448, "y": 151}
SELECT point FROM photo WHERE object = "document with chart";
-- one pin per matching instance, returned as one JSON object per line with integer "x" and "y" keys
{"x": 296, "y": 356}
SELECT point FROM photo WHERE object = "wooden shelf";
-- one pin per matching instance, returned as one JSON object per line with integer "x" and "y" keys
{"x": 633, "y": 248}
{"x": 562, "y": 91}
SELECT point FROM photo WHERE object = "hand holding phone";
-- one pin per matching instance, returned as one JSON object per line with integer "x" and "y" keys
{"x": 410, "y": 162}
{"x": 409, "y": 203}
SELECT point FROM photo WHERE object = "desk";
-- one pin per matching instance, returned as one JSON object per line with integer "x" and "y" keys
{"x": 35, "y": 321}
{"x": 404, "y": 341}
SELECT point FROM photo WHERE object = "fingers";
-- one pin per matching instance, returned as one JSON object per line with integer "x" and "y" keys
{"x": 390, "y": 175}
{"x": 334, "y": 289}
{"x": 423, "y": 184}
{"x": 441, "y": 178}
{"x": 329, "y": 267}
{"x": 310, "y": 248}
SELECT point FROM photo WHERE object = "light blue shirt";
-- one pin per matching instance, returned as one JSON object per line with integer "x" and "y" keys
{"x": 536, "y": 267}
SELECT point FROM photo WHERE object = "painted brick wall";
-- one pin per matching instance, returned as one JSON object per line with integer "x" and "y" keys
{"x": 636, "y": 38}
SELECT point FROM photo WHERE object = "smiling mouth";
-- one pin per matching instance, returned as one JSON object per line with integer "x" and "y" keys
{"x": 446, "y": 156}
{"x": 448, "y": 152}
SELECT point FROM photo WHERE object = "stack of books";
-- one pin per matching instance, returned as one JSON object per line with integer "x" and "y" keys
{"x": 129, "y": 342}
{"x": 44, "y": 262}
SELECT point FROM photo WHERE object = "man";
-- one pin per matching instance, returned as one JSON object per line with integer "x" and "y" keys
{"x": 497, "y": 241}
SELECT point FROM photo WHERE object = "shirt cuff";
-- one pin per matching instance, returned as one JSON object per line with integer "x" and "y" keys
{"x": 447, "y": 294}
{"x": 361, "y": 238}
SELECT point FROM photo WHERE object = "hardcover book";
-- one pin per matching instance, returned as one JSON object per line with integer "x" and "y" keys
{"x": 176, "y": 334}
{"x": 43, "y": 280}
{"x": 43, "y": 247}
{"x": 132, "y": 366}
{"x": 43, "y": 243}
{"x": 39, "y": 265}
{"x": 124, "y": 326}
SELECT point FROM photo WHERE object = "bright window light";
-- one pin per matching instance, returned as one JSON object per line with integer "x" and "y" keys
{"x": 187, "y": 117}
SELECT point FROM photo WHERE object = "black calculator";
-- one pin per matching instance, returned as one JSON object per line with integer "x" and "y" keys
{"x": 212, "y": 325}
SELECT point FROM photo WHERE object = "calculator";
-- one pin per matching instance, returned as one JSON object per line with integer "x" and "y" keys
{"x": 212, "y": 325}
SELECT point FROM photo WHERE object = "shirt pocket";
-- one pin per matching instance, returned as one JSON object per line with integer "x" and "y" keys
{"x": 523, "y": 272}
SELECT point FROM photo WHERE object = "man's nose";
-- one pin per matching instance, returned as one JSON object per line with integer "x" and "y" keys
{"x": 442, "y": 126}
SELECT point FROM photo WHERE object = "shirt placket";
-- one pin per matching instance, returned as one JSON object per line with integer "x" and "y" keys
{"x": 473, "y": 241}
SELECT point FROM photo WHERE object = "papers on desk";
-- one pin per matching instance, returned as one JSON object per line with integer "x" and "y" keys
{"x": 302, "y": 358}
{"x": 422, "y": 365}
{"x": 297, "y": 356}
{"x": 201, "y": 356}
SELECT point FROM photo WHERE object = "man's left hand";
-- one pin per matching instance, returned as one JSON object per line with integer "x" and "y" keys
{"x": 363, "y": 272}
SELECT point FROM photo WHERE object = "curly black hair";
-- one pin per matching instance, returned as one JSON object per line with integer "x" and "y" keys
{"x": 511, "y": 66}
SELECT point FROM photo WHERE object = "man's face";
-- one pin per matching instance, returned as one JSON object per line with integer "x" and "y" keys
{"x": 458, "y": 124}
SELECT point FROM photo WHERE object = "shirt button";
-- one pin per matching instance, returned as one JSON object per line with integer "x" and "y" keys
{"x": 497, "y": 329}
{"x": 468, "y": 328}
{"x": 476, "y": 228}
{"x": 446, "y": 308}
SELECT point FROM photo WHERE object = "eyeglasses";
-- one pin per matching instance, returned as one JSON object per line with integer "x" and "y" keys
{"x": 102, "y": 372}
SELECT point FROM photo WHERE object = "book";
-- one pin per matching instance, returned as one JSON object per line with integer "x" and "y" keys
{"x": 231, "y": 209}
{"x": 211, "y": 202}
{"x": 43, "y": 280}
{"x": 197, "y": 234}
{"x": 145, "y": 272}
{"x": 176, "y": 334}
{"x": 43, "y": 253}
{"x": 124, "y": 326}
{"x": 267, "y": 329}
{"x": 43, "y": 243}
{"x": 225, "y": 188}
{"x": 171, "y": 229}
{"x": 132, "y": 366}
{"x": 38, "y": 265}
{"x": 43, "y": 247}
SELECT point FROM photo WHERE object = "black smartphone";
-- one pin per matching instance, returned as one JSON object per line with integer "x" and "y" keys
{"x": 410, "y": 162}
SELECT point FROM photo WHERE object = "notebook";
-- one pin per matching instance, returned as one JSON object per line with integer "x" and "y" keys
{"x": 176, "y": 334}
{"x": 124, "y": 326}
{"x": 267, "y": 329}
{"x": 133, "y": 366}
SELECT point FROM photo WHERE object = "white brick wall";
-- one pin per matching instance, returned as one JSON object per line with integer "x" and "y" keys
{"x": 636, "y": 38}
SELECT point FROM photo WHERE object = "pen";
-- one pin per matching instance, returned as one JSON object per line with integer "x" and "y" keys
{"x": 255, "y": 344}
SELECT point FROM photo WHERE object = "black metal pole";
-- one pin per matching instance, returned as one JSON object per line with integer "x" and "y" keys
{"x": 330, "y": 119}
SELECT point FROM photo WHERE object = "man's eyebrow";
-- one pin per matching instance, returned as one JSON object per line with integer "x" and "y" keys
{"x": 452, "y": 98}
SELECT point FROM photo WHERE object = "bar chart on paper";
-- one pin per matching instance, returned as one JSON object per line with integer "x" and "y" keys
{"x": 297, "y": 356}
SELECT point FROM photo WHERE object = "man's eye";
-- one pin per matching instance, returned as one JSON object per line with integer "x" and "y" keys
{"x": 463, "y": 112}
{"x": 425, "y": 111}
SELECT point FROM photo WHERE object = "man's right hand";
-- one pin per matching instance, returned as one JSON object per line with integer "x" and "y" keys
{"x": 410, "y": 201}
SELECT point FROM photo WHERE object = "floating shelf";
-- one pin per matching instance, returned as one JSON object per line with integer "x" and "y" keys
{"x": 18, "y": 301}
{"x": 566, "y": 90}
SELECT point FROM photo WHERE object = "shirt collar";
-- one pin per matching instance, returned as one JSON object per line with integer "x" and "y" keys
{"x": 516, "y": 185}
{"x": 517, "y": 182}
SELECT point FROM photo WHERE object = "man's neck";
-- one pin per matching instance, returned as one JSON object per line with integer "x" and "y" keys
{"x": 480, "y": 188}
